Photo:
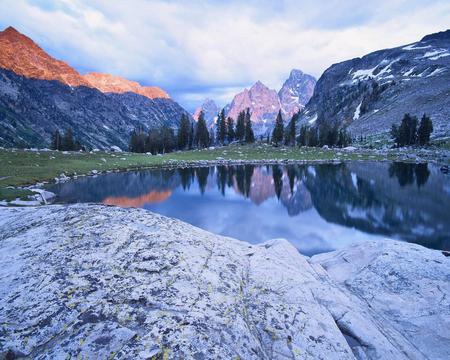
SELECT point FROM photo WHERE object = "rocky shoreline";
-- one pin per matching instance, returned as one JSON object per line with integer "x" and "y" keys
{"x": 105, "y": 282}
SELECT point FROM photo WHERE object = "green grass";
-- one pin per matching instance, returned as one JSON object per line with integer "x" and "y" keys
{"x": 10, "y": 194}
{"x": 21, "y": 168}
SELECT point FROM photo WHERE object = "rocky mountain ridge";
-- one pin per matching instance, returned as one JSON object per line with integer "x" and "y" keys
{"x": 107, "y": 83}
{"x": 39, "y": 94}
{"x": 370, "y": 93}
{"x": 264, "y": 103}
{"x": 24, "y": 57}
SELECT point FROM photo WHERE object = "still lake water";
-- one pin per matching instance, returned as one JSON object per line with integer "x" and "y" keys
{"x": 318, "y": 208}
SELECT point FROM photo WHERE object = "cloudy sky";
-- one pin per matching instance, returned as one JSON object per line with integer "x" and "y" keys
{"x": 196, "y": 49}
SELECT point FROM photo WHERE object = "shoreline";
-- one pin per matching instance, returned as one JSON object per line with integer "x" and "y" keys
{"x": 93, "y": 162}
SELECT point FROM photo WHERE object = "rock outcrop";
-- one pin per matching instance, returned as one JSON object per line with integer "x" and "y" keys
{"x": 96, "y": 281}
{"x": 370, "y": 93}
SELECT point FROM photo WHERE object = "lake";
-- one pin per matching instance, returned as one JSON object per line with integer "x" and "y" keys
{"x": 318, "y": 208}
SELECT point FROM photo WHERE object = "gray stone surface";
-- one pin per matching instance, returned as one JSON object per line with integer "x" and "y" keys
{"x": 103, "y": 282}
{"x": 398, "y": 295}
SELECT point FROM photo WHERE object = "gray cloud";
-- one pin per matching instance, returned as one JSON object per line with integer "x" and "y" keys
{"x": 195, "y": 49}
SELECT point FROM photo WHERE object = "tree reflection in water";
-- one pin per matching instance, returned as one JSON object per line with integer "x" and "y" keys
{"x": 407, "y": 172}
{"x": 375, "y": 198}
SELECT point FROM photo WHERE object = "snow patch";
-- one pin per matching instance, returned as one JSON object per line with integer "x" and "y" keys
{"x": 313, "y": 120}
{"x": 357, "y": 111}
{"x": 433, "y": 54}
{"x": 412, "y": 47}
{"x": 409, "y": 72}
{"x": 436, "y": 71}
{"x": 440, "y": 56}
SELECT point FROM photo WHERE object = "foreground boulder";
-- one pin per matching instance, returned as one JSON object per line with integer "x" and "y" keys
{"x": 100, "y": 282}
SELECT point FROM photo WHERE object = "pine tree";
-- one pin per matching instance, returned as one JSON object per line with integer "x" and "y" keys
{"x": 425, "y": 130}
{"x": 138, "y": 141}
{"x": 344, "y": 138}
{"x": 230, "y": 130}
{"x": 153, "y": 142}
{"x": 133, "y": 141}
{"x": 240, "y": 126}
{"x": 211, "y": 137}
{"x": 407, "y": 131}
{"x": 202, "y": 132}
{"x": 333, "y": 135}
{"x": 249, "y": 135}
{"x": 303, "y": 140}
{"x": 313, "y": 138}
{"x": 183, "y": 132}
{"x": 167, "y": 139}
{"x": 291, "y": 130}
{"x": 191, "y": 141}
{"x": 56, "y": 141}
{"x": 67, "y": 141}
{"x": 395, "y": 135}
{"x": 277, "y": 134}
{"x": 221, "y": 127}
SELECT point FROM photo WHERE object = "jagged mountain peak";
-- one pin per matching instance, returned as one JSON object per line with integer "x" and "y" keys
{"x": 11, "y": 31}
{"x": 264, "y": 103}
{"x": 296, "y": 92}
{"x": 258, "y": 85}
{"x": 295, "y": 73}
{"x": 210, "y": 110}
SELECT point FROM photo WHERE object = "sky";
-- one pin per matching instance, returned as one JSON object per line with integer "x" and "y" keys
{"x": 196, "y": 49}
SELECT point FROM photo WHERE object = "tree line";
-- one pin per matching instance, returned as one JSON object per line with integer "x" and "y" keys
{"x": 193, "y": 135}
{"x": 65, "y": 141}
{"x": 411, "y": 132}
{"x": 196, "y": 135}
{"x": 323, "y": 134}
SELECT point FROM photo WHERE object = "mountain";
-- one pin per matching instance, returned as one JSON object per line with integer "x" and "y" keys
{"x": 264, "y": 103}
{"x": 24, "y": 57}
{"x": 210, "y": 110}
{"x": 116, "y": 84}
{"x": 296, "y": 92}
{"x": 39, "y": 94}
{"x": 371, "y": 93}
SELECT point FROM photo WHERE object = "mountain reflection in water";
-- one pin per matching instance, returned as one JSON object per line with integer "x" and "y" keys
{"x": 316, "y": 207}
